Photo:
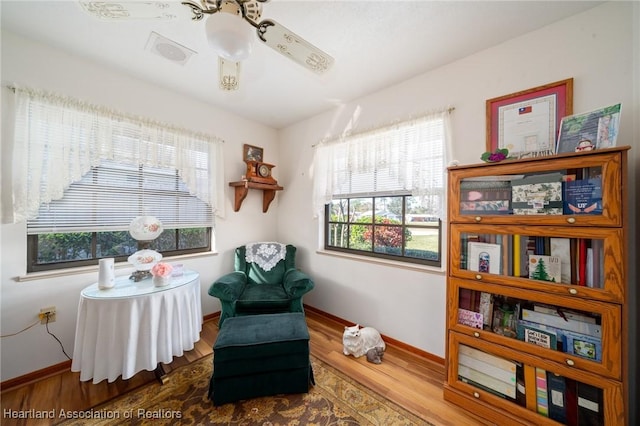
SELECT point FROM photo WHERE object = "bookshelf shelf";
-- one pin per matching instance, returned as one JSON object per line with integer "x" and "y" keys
{"x": 537, "y": 289}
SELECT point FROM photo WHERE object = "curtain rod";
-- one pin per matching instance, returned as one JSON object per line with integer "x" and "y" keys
{"x": 448, "y": 110}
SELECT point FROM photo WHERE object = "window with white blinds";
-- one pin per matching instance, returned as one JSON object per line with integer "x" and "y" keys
{"x": 382, "y": 191}
{"x": 81, "y": 173}
{"x": 110, "y": 195}
{"x": 397, "y": 160}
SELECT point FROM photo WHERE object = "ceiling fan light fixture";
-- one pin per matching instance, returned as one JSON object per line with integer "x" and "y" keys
{"x": 231, "y": 38}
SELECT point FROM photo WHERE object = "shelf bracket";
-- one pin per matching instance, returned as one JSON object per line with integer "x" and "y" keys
{"x": 242, "y": 189}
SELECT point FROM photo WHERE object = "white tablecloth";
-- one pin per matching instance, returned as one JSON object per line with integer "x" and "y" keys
{"x": 134, "y": 326}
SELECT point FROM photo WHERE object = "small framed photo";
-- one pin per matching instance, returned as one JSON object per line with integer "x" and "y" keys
{"x": 252, "y": 153}
{"x": 591, "y": 130}
{"x": 527, "y": 122}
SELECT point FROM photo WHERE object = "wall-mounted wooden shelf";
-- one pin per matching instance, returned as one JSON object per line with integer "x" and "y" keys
{"x": 242, "y": 189}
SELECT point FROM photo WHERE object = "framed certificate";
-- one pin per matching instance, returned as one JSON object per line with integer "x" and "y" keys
{"x": 527, "y": 122}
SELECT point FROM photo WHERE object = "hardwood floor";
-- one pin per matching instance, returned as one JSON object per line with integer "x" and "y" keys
{"x": 405, "y": 378}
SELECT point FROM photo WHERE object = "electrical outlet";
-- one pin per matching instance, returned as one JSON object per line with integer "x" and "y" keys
{"x": 49, "y": 312}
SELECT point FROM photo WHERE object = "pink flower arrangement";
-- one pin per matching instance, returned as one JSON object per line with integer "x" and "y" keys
{"x": 161, "y": 270}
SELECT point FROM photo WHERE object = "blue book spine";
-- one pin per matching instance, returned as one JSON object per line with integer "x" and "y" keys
{"x": 557, "y": 397}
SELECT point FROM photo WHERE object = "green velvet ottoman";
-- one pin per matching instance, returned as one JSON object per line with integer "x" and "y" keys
{"x": 260, "y": 355}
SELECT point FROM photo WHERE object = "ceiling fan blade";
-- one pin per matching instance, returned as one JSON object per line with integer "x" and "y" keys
{"x": 134, "y": 10}
{"x": 293, "y": 46}
{"x": 228, "y": 74}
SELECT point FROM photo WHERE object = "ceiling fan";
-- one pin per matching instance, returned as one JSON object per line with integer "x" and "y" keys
{"x": 227, "y": 34}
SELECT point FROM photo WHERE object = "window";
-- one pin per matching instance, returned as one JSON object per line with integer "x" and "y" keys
{"x": 388, "y": 227}
{"x": 91, "y": 221}
{"x": 81, "y": 173}
{"x": 382, "y": 192}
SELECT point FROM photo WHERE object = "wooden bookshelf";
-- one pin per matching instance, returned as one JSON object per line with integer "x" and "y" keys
{"x": 537, "y": 280}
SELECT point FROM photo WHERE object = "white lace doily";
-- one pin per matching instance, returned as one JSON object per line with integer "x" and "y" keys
{"x": 265, "y": 255}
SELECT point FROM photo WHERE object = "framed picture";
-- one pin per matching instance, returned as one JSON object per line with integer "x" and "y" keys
{"x": 596, "y": 129}
{"x": 251, "y": 153}
{"x": 527, "y": 122}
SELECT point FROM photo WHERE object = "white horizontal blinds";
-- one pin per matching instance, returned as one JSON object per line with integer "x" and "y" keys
{"x": 401, "y": 159}
{"x": 110, "y": 195}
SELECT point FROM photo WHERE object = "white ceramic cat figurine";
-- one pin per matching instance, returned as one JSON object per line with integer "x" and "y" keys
{"x": 358, "y": 341}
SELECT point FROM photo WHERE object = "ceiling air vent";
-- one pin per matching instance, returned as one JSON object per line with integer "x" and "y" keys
{"x": 169, "y": 49}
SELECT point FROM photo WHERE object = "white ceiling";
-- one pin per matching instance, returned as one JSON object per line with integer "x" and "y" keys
{"x": 375, "y": 44}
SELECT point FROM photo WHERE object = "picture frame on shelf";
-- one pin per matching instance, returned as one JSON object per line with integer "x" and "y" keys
{"x": 484, "y": 257}
{"x": 527, "y": 122}
{"x": 597, "y": 129}
{"x": 252, "y": 153}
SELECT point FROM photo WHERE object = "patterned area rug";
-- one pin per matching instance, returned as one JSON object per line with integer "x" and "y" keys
{"x": 182, "y": 400}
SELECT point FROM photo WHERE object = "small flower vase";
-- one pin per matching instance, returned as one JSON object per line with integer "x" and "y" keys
{"x": 160, "y": 281}
{"x": 106, "y": 274}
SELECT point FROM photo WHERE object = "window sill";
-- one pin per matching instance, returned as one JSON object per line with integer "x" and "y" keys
{"x": 32, "y": 276}
{"x": 384, "y": 262}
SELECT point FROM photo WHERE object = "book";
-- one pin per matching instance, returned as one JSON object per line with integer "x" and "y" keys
{"x": 561, "y": 247}
{"x": 557, "y": 331}
{"x": 465, "y": 297}
{"x": 537, "y": 336}
{"x": 582, "y": 262}
{"x": 485, "y": 206}
{"x": 571, "y": 398}
{"x": 598, "y": 263}
{"x": 542, "y": 398}
{"x": 556, "y": 397}
{"x": 564, "y": 313}
{"x": 506, "y": 376}
{"x": 517, "y": 268}
{"x": 484, "y": 257}
{"x": 499, "y": 362}
{"x": 590, "y": 410}
{"x": 470, "y": 318}
{"x": 591, "y": 129}
{"x": 537, "y": 194}
{"x": 594, "y": 330}
{"x": 530, "y": 378}
{"x": 528, "y": 247}
{"x": 486, "y": 308}
{"x": 545, "y": 268}
{"x": 506, "y": 242}
{"x": 487, "y": 196}
{"x": 582, "y": 345}
{"x": 589, "y": 277}
{"x": 583, "y": 196}
{"x": 507, "y": 389}
{"x": 521, "y": 388}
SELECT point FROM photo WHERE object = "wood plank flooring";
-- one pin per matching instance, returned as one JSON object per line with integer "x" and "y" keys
{"x": 405, "y": 378}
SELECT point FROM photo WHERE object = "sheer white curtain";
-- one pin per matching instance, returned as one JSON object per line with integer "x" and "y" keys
{"x": 403, "y": 158}
{"x": 57, "y": 140}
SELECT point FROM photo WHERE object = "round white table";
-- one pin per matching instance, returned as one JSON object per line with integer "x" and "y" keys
{"x": 135, "y": 326}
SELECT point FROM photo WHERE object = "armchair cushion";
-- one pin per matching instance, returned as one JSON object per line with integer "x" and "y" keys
{"x": 263, "y": 297}
{"x": 265, "y": 280}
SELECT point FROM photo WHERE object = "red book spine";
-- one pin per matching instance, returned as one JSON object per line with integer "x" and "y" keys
{"x": 582, "y": 262}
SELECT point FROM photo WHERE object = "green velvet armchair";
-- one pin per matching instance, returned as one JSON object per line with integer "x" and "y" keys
{"x": 265, "y": 280}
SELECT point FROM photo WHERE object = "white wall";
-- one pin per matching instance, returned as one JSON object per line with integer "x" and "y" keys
{"x": 598, "y": 48}
{"x": 34, "y": 65}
